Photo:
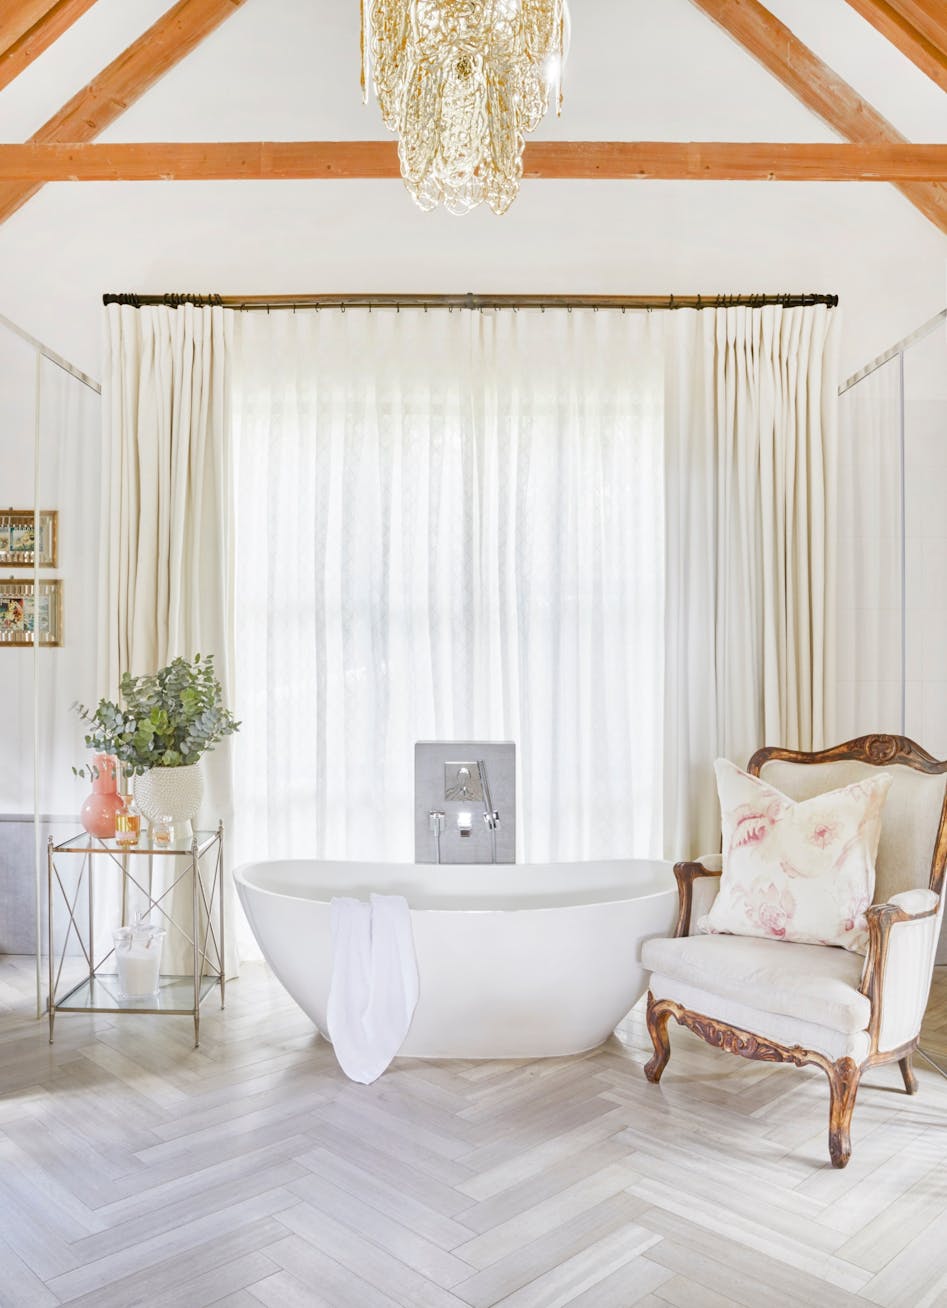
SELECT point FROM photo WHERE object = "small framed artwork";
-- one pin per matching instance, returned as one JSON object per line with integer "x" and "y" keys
{"x": 17, "y": 538}
{"x": 27, "y": 609}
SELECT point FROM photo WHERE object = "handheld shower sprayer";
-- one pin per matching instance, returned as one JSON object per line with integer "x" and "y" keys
{"x": 490, "y": 816}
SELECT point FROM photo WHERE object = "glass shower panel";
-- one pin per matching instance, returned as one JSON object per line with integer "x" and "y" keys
{"x": 925, "y": 477}
{"x": 68, "y": 475}
{"x": 17, "y": 908}
{"x": 869, "y": 581}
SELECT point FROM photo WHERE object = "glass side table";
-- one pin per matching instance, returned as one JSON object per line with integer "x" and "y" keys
{"x": 200, "y": 858}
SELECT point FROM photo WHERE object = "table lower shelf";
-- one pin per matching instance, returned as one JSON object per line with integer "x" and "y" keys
{"x": 100, "y": 994}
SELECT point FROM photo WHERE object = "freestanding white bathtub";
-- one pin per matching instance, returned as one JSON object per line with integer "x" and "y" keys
{"x": 514, "y": 961}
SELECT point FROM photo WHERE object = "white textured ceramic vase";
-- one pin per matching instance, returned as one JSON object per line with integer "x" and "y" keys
{"x": 170, "y": 792}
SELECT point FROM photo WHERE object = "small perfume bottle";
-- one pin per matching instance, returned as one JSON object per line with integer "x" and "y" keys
{"x": 128, "y": 822}
{"x": 163, "y": 829}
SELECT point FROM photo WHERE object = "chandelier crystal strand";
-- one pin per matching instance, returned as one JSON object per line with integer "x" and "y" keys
{"x": 462, "y": 82}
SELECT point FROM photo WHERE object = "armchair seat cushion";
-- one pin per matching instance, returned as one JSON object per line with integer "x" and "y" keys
{"x": 813, "y": 983}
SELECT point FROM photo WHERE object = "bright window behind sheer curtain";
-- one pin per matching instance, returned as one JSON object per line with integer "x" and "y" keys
{"x": 449, "y": 525}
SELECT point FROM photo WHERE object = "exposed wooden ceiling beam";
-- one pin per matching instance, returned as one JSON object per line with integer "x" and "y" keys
{"x": 32, "y": 164}
{"x": 56, "y": 19}
{"x": 900, "y": 31}
{"x": 126, "y": 78}
{"x": 818, "y": 86}
{"x": 18, "y": 16}
{"x": 928, "y": 16}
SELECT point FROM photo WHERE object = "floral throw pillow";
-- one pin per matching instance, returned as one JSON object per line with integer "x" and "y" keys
{"x": 797, "y": 871}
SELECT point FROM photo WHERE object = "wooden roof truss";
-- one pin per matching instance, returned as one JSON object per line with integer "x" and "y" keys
{"x": 871, "y": 148}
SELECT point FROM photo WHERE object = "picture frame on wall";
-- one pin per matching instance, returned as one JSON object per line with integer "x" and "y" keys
{"x": 17, "y": 544}
{"x": 26, "y": 607}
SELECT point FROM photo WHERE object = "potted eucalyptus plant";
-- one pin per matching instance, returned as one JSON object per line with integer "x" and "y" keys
{"x": 159, "y": 730}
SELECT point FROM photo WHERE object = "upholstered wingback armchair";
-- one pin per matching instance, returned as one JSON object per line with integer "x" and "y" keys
{"x": 816, "y": 1004}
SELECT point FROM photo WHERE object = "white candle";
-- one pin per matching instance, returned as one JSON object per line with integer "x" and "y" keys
{"x": 138, "y": 954}
{"x": 138, "y": 972}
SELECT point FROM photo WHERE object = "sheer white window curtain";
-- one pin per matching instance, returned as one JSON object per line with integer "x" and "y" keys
{"x": 450, "y": 526}
{"x": 606, "y": 536}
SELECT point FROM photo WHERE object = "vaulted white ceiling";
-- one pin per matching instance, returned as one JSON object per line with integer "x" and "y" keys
{"x": 288, "y": 69}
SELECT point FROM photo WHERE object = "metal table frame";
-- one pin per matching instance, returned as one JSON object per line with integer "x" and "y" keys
{"x": 207, "y": 945}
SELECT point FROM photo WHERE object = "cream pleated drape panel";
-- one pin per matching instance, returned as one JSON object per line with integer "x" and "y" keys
{"x": 751, "y": 451}
{"x": 167, "y": 536}
{"x": 450, "y": 525}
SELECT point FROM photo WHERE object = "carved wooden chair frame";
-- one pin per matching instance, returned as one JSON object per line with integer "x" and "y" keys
{"x": 844, "y": 1074}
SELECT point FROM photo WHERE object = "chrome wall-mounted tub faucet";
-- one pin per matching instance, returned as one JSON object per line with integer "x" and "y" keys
{"x": 452, "y": 783}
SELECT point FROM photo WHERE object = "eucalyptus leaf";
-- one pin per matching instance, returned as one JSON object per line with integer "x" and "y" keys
{"x": 168, "y": 718}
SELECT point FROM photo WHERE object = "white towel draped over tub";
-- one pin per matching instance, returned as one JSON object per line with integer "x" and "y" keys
{"x": 374, "y": 987}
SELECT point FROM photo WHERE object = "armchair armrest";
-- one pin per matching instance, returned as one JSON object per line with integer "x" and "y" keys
{"x": 902, "y": 940}
{"x": 686, "y": 875}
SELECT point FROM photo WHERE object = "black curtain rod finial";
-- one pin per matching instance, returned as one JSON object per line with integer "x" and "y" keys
{"x": 171, "y": 299}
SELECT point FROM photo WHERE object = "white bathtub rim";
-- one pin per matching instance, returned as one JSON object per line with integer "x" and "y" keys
{"x": 254, "y": 888}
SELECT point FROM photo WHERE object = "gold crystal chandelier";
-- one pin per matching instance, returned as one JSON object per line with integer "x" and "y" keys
{"x": 462, "y": 82}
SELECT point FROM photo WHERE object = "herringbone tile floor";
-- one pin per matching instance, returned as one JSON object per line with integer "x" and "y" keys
{"x": 136, "y": 1170}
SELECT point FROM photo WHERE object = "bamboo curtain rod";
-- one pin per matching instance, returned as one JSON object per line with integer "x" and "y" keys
{"x": 471, "y": 301}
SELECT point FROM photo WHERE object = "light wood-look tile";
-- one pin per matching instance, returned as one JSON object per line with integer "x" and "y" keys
{"x": 135, "y": 1170}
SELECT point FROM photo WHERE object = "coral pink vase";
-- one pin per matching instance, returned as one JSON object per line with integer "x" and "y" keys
{"x": 98, "y": 812}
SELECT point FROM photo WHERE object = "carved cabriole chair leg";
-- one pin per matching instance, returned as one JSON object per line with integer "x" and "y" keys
{"x": 658, "y": 1017}
{"x": 843, "y": 1087}
{"x": 906, "y": 1065}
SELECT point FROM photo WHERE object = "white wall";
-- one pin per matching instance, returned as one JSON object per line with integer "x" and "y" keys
{"x": 289, "y": 69}
{"x": 866, "y": 244}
